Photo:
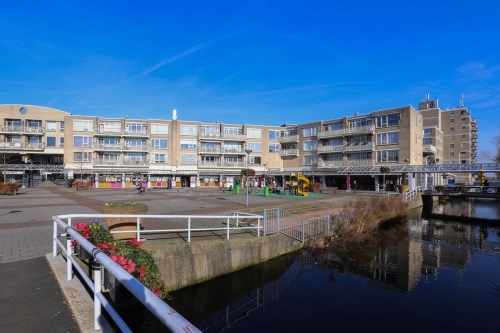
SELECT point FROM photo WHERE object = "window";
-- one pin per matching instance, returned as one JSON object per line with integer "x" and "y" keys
{"x": 310, "y": 145}
{"x": 136, "y": 143}
{"x": 452, "y": 137}
{"x": 310, "y": 131}
{"x": 159, "y": 129}
{"x": 463, "y": 145}
{"x": 310, "y": 160}
{"x": 452, "y": 129}
{"x": 233, "y": 131}
{"x": 389, "y": 138}
{"x": 334, "y": 126}
{"x": 188, "y": 159}
{"x": 452, "y": 112}
{"x": 274, "y": 147}
{"x": 464, "y": 136}
{"x": 159, "y": 143}
{"x": 82, "y": 125}
{"x": 210, "y": 131}
{"x": 254, "y": 160}
{"x": 188, "y": 145}
{"x": 427, "y": 141}
{"x": 451, "y": 120}
{"x": 110, "y": 127}
{"x": 61, "y": 126}
{"x": 273, "y": 134}
{"x": 85, "y": 156}
{"x": 51, "y": 126}
{"x": 61, "y": 142}
{"x": 51, "y": 141}
{"x": 452, "y": 145}
{"x": 427, "y": 131}
{"x": 464, "y": 127}
{"x": 191, "y": 130}
{"x": 158, "y": 158}
{"x": 463, "y": 153}
{"x": 464, "y": 118}
{"x": 388, "y": 156}
{"x": 82, "y": 141}
{"x": 387, "y": 120}
{"x": 136, "y": 128}
{"x": 452, "y": 154}
{"x": 255, "y": 133}
{"x": 255, "y": 146}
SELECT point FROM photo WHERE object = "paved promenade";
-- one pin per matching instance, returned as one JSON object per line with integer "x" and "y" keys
{"x": 30, "y": 297}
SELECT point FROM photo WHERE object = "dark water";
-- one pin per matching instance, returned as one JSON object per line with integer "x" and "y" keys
{"x": 424, "y": 276}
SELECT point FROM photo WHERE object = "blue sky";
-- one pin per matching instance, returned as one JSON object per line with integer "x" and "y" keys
{"x": 257, "y": 62}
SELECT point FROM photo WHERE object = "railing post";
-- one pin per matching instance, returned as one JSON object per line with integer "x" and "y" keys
{"x": 54, "y": 237}
{"x": 138, "y": 231}
{"x": 189, "y": 230}
{"x": 258, "y": 227}
{"x": 228, "y": 228}
{"x": 97, "y": 272}
{"x": 278, "y": 220}
{"x": 303, "y": 235}
{"x": 69, "y": 252}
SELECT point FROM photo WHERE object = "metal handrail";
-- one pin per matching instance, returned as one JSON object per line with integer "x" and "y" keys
{"x": 410, "y": 194}
{"x": 165, "y": 314}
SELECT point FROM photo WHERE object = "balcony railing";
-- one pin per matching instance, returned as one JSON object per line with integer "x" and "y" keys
{"x": 328, "y": 149}
{"x": 347, "y": 131}
{"x": 429, "y": 149}
{"x": 238, "y": 151}
{"x": 108, "y": 147}
{"x": 129, "y": 162}
{"x": 210, "y": 135}
{"x": 21, "y": 146}
{"x": 289, "y": 152}
{"x": 120, "y": 132}
{"x": 237, "y": 137}
{"x": 359, "y": 146}
{"x": 210, "y": 150}
{"x": 289, "y": 138}
{"x": 22, "y": 130}
{"x": 136, "y": 147}
{"x": 331, "y": 133}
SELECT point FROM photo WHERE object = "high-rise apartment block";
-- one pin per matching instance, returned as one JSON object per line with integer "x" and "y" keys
{"x": 38, "y": 142}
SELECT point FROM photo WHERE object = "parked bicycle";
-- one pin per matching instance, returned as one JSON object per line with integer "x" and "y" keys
{"x": 139, "y": 190}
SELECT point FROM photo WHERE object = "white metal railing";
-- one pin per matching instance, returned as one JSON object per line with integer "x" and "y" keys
{"x": 412, "y": 193}
{"x": 165, "y": 314}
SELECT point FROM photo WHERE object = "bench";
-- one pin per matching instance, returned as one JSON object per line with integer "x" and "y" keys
{"x": 9, "y": 188}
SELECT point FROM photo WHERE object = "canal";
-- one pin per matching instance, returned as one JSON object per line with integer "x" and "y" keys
{"x": 426, "y": 275}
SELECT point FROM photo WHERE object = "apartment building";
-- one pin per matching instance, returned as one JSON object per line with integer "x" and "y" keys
{"x": 450, "y": 137}
{"x": 40, "y": 142}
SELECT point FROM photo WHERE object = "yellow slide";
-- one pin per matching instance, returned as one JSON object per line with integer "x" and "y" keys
{"x": 305, "y": 183}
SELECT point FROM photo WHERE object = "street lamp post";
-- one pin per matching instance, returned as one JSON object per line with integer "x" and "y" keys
{"x": 248, "y": 152}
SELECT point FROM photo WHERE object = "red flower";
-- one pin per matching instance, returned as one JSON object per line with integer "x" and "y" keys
{"x": 126, "y": 264}
{"x": 156, "y": 291}
{"x": 142, "y": 272}
{"x": 83, "y": 229}
{"x": 106, "y": 247}
{"x": 135, "y": 242}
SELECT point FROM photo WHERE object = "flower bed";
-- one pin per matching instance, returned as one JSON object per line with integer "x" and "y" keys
{"x": 128, "y": 254}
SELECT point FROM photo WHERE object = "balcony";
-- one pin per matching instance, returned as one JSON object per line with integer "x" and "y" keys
{"x": 330, "y": 149}
{"x": 210, "y": 150}
{"x": 359, "y": 146}
{"x": 289, "y": 139}
{"x": 235, "y": 137}
{"x": 22, "y": 130}
{"x": 120, "y": 162}
{"x": 136, "y": 133}
{"x": 237, "y": 151}
{"x": 136, "y": 147}
{"x": 370, "y": 129}
{"x": 206, "y": 164}
{"x": 289, "y": 152}
{"x": 331, "y": 133}
{"x": 214, "y": 136}
{"x": 120, "y": 132}
{"x": 108, "y": 147}
{"x": 234, "y": 164}
{"x": 429, "y": 149}
{"x": 21, "y": 146}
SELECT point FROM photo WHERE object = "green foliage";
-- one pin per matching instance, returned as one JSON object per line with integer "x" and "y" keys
{"x": 125, "y": 204}
{"x": 99, "y": 234}
{"x": 248, "y": 172}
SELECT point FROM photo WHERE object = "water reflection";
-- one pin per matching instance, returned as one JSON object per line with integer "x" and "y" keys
{"x": 426, "y": 275}
{"x": 468, "y": 207}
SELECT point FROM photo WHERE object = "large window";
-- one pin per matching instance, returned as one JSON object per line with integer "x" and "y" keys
{"x": 334, "y": 126}
{"x": 254, "y": 160}
{"x": 51, "y": 126}
{"x": 233, "y": 130}
{"x": 159, "y": 129}
{"x": 387, "y": 120}
{"x": 191, "y": 130}
{"x": 136, "y": 128}
{"x": 255, "y": 146}
{"x": 159, "y": 158}
{"x": 51, "y": 141}
{"x": 427, "y": 141}
{"x": 254, "y": 133}
{"x": 274, "y": 147}
{"x": 273, "y": 134}
{"x": 84, "y": 156}
{"x": 82, "y": 141}
{"x": 389, "y": 138}
{"x": 188, "y": 159}
{"x": 188, "y": 145}
{"x": 310, "y": 145}
{"x": 310, "y": 131}
{"x": 310, "y": 160}
{"x": 82, "y": 125}
{"x": 388, "y": 156}
{"x": 159, "y": 143}
{"x": 427, "y": 131}
{"x": 61, "y": 141}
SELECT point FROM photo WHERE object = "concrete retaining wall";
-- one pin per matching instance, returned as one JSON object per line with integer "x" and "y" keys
{"x": 184, "y": 264}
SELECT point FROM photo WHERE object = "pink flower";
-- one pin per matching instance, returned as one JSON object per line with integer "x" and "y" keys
{"x": 156, "y": 291}
{"x": 83, "y": 229}
{"x": 142, "y": 272}
{"x": 106, "y": 247}
{"x": 126, "y": 264}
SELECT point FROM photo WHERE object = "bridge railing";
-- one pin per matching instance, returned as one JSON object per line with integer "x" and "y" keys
{"x": 63, "y": 233}
{"x": 412, "y": 193}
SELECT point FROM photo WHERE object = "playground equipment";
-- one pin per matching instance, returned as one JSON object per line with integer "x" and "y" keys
{"x": 297, "y": 184}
